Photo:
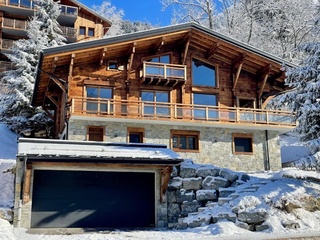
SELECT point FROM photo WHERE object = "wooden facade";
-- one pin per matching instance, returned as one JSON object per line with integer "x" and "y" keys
{"x": 245, "y": 80}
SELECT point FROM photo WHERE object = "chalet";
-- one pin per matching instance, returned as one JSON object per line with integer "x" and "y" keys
{"x": 127, "y": 109}
{"x": 201, "y": 93}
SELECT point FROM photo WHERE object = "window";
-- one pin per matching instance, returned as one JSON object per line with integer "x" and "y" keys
{"x": 91, "y": 32}
{"x": 82, "y": 31}
{"x": 112, "y": 65}
{"x": 98, "y": 100}
{"x": 152, "y": 97}
{"x": 160, "y": 59}
{"x": 135, "y": 135}
{"x": 205, "y": 100}
{"x": 95, "y": 133}
{"x": 203, "y": 74}
{"x": 242, "y": 143}
{"x": 185, "y": 140}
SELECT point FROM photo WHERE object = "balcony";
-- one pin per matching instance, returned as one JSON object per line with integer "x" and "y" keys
{"x": 163, "y": 74}
{"x": 14, "y": 27}
{"x": 228, "y": 117}
{"x": 6, "y": 43}
{"x": 69, "y": 33}
{"x": 18, "y": 3}
{"x": 6, "y": 66}
{"x": 68, "y": 15}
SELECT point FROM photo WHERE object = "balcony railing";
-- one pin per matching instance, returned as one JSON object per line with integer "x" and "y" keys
{"x": 68, "y": 31}
{"x": 6, "y": 66}
{"x": 163, "y": 73}
{"x": 6, "y": 43}
{"x": 68, "y": 10}
{"x": 179, "y": 112}
{"x": 18, "y": 3}
{"x": 14, "y": 23}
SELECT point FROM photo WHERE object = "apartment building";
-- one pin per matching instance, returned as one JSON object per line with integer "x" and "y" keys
{"x": 77, "y": 21}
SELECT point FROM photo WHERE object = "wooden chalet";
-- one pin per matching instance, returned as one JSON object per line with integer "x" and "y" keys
{"x": 202, "y": 94}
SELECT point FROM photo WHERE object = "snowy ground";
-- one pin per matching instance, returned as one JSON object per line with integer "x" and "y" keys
{"x": 270, "y": 197}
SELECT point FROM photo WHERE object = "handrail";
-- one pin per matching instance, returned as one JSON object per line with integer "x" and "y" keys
{"x": 68, "y": 31}
{"x": 176, "y": 111}
{"x": 18, "y": 3}
{"x": 6, "y": 43}
{"x": 164, "y": 70}
{"x": 14, "y": 23}
{"x": 68, "y": 10}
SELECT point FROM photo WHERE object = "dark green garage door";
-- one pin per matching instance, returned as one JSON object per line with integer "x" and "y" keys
{"x": 89, "y": 199}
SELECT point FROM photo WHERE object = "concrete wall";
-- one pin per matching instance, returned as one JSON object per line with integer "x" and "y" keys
{"x": 215, "y": 143}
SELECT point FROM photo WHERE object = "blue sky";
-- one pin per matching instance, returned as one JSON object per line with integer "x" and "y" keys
{"x": 143, "y": 10}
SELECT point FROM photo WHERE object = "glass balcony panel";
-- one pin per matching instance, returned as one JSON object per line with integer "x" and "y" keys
{"x": 92, "y": 107}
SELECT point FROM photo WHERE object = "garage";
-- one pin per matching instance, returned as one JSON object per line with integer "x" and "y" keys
{"x": 92, "y": 199}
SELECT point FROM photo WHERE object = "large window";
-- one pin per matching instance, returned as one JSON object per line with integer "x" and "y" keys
{"x": 156, "y": 103}
{"x": 97, "y": 100}
{"x": 242, "y": 143}
{"x": 203, "y": 74}
{"x": 184, "y": 140}
{"x": 95, "y": 133}
{"x": 206, "y": 101}
{"x": 91, "y": 32}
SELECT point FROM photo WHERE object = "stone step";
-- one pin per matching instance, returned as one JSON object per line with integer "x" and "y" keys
{"x": 211, "y": 204}
{"x": 222, "y": 201}
{"x": 249, "y": 189}
{"x": 201, "y": 209}
{"x": 234, "y": 195}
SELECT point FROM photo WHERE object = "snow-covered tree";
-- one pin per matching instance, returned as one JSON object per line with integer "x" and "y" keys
{"x": 42, "y": 31}
{"x": 199, "y": 11}
{"x": 119, "y": 25}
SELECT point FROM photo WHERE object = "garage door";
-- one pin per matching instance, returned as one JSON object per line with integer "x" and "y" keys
{"x": 93, "y": 199}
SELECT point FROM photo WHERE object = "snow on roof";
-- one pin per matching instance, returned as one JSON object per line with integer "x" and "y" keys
{"x": 45, "y": 147}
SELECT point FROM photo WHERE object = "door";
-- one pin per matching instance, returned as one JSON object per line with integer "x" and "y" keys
{"x": 82, "y": 199}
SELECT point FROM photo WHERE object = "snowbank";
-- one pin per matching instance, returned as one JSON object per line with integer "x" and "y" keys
{"x": 8, "y": 143}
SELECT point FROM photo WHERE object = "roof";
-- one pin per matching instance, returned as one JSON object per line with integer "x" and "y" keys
{"x": 88, "y": 151}
{"x": 202, "y": 39}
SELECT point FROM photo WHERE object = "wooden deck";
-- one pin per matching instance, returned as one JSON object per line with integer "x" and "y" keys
{"x": 179, "y": 112}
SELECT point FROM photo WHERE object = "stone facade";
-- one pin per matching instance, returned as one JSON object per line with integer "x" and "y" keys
{"x": 215, "y": 143}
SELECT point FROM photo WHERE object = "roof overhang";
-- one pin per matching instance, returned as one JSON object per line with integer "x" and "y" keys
{"x": 58, "y": 151}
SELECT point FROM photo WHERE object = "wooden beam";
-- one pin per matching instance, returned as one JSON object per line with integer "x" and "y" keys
{"x": 265, "y": 74}
{"x": 53, "y": 100}
{"x": 212, "y": 50}
{"x": 103, "y": 54}
{"x": 267, "y": 101}
{"x": 133, "y": 50}
{"x": 186, "y": 41}
{"x": 160, "y": 44}
{"x": 59, "y": 84}
{"x": 239, "y": 60}
{"x": 54, "y": 64}
{"x": 237, "y": 77}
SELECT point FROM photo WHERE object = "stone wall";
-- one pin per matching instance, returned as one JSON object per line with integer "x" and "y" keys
{"x": 194, "y": 186}
{"x": 215, "y": 143}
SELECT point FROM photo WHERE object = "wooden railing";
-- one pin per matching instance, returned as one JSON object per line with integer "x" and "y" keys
{"x": 18, "y": 3}
{"x": 6, "y": 66}
{"x": 178, "y": 112}
{"x": 68, "y": 31}
{"x": 6, "y": 43}
{"x": 14, "y": 23}
{"x": 164, "y": 70}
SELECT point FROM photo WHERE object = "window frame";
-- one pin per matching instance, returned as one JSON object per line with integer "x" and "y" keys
{"x": 242, "y": 135}
{"x": 89, "y": 31}
{"x": 148, "y": 59}
{"x": 216, "y": 70}
{"x": 82, "y": 28}
{"x": 135, "y": 130}
{"x": 113, "y": 62}
{"x": 187, "y": 134}
{"x": 98, "y": 99}
{"x": 95, "y": 127}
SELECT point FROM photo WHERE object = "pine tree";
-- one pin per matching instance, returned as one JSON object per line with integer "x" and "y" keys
{"x": 43, "y": 31}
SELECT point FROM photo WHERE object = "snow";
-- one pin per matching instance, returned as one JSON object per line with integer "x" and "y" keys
{"x": 272, "y": 192}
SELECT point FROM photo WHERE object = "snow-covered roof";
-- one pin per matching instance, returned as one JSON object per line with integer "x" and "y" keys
{"x": 45, "y": 149}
